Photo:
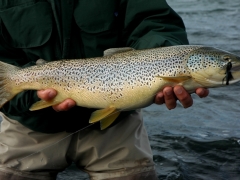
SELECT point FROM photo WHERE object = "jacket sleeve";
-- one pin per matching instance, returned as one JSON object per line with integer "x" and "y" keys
{"x": 151, "y": 23}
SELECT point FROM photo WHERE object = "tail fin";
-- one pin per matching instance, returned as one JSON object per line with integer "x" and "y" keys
{"x": 7, "y": 91}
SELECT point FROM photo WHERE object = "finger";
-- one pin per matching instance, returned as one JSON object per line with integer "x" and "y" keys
{"x": 159, "y": 98}
{"x": 169, "y": 98}
{"x": 47, "y": 94}
{"x": 183, "y": 96}
{"x": 202, "y": 92}
{"x": 65, "y": 105}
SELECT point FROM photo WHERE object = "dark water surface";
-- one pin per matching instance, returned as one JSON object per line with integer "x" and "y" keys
{"x": 201, "y": 142}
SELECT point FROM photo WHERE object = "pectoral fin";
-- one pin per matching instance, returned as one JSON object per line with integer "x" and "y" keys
{"x": 43, "y": 104}
{"x": 178, "y": 80}
{"x": 107, "y": 121}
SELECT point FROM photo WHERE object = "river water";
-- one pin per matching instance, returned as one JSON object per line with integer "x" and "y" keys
{"x": 203, "y": 141}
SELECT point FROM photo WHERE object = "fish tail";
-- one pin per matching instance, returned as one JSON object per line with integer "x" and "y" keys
{"x": 7, "y": 89}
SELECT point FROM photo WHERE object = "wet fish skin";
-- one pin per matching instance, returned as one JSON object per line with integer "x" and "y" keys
{"x": 124, "y": 79}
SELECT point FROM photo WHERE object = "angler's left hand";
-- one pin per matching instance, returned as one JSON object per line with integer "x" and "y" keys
{"x": 170, "y": 95}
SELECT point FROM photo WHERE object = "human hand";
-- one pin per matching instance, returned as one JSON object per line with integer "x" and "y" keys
{"x": 49, "y": 94}
{"x": 170, "y": 95}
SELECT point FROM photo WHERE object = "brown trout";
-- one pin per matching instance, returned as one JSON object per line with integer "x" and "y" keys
{"x": 123, "y": 79}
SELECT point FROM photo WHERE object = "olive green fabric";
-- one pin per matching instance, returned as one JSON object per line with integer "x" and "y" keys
{"x": 59, "y": 29}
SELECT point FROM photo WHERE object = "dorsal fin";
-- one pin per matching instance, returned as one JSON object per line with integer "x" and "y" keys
{"x": 40, "y": 61}
{"x": 112, "y": 51}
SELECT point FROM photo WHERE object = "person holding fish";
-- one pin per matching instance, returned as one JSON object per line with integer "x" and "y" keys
{"x": 37, "y": 145}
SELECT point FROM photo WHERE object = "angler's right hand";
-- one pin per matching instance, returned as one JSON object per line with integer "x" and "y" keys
{"x": 49, "y": 94}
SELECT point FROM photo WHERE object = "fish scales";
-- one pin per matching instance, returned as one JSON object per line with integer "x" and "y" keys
{"x": 110, "y": 79}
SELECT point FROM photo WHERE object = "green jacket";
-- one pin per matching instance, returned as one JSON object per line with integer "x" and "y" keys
{"x": 58, "y": 29}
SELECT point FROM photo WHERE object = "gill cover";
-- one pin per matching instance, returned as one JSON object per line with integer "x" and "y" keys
{"x": 208, "y": 66}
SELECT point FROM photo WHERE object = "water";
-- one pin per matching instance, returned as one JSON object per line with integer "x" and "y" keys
{"x": 203, "y": 141}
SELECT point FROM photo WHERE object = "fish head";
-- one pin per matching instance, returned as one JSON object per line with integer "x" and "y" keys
{"x": 212, "y": 67}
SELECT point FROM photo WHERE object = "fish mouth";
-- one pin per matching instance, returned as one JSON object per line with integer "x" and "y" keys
{"x": 232, "y": 81}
